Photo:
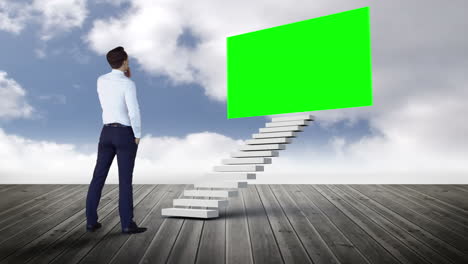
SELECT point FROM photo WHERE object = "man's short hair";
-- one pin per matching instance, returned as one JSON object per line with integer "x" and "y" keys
{"x": 116, "y": 57}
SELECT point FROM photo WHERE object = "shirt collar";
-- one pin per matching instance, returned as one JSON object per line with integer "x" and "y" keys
{"x": 117, "y": 71}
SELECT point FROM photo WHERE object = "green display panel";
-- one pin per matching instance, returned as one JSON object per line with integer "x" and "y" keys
{"x": 316, "y": 64}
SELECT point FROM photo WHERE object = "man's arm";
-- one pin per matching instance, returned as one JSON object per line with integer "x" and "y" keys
{"x": 133, "y": 109}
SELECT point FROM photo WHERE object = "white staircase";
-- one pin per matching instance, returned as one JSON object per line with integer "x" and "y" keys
{"x": 209, "y": 195}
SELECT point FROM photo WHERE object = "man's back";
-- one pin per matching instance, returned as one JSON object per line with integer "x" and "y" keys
{"x": 119, "y": 103}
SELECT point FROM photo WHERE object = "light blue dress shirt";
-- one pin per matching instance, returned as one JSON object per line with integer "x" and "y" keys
{"x": 119, "y": 103}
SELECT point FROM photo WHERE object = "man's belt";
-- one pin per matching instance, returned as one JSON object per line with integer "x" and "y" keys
{"x": 115, "y": 125}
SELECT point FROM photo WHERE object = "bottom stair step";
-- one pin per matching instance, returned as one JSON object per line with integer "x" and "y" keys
{"x": 200, "y": 202}
{"x": 221, "y": 184}
{"x": 189, "y": 212}
{"x": 211, "y": 193}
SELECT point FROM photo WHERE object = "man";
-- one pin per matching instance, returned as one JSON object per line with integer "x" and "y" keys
{"x": 120, "y": 136}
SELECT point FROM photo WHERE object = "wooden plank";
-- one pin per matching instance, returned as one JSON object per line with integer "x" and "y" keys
{"x": 212, "y": 245}
{"x": 23, "y": 222}
{"x": 31, "y": 207}
{"x": 372, "y": 250}
{"x": 49, "y": 245}
{"x": 288, "y": 241}
{"x": 33, "y": 202}
{"x": 428, "y": 209}
{"x": 161, "y": 246}
{"x": 313, "y": 243}
{"x": 421, "y": 234}
{"x": 110, "y": 244}
{"x": 24, "y": 192}
{"x": 6, "y": 187}
{"x": 264, "y": 246}
{"x": 444, "y": 193}
{"x": 399, "y": 232}
{"x": 454, "y": 210}
{"x": 87, "y": 243}
{"x": 74, "y": 234}
{"x": 401, "y": 207}
{"x": 448, "y": 187}
{"x": 34, "y": 229}
{"x": 344, "y": 250}
{"x": 134, "y": 248}
{"x": 460, "y": 187}
{"x": 186, "y": 243}
{"x": 238, "y": 244}
{"x": 399, "y": 250}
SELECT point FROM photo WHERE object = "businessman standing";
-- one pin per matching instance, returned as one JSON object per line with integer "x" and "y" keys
{"x": 120, "y": 135}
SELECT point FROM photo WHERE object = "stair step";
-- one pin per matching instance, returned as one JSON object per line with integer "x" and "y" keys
{"x": 263, "y": 147}
{"x": 247, "y": 161}
{"x": 280, "y": 129}
{"x": 240, "y": 168}
{"x": 211, "y": 193}
{"x": 217, "y": 176}
{"x": 201, "y": 202}
{"x": 275, "y": 135}
{"x": 221, "y": 184}
{"x": 288, "y": 123}
{"x": 189, "y": 212}
{"x": 261, "y": 153}
{"x": 282, "y": 140}
{"x": 296, "y": 117}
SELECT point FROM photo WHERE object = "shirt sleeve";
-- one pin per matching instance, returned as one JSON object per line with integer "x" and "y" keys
{"x": 133, "y": 109}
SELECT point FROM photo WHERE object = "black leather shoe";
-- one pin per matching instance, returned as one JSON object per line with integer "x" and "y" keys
{"x": 92, "y": 228}
{"x": 133, "y": 229}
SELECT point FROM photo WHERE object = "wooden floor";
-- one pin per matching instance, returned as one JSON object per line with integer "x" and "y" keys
{"x": 264, "y": 224}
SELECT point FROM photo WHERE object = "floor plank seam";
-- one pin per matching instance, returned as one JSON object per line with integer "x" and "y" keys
{"x": 164, "y": 222}
{"x": 290, "y": 224}
{"x": 248, "y": 228}
{"x": 336, "y": 227}
{"x": 437, "y": 199}
{"x": 310, "y": 223}
{"x": 395, "y": 225}
{"x": 269, "y": 223}
{"x": 32, "y": 200}
{"x": 113, "y": 227}
{"x": 415, "y": 201}
{"x": 388, "y": 233}
{"x": 84, "y": 233}
{"x": 410, "y": 223}
{"x": 157, "y": 186}
{"x": 424, "y": 228}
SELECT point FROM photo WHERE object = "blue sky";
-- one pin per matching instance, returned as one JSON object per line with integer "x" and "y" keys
{"x": 177, "y": 60}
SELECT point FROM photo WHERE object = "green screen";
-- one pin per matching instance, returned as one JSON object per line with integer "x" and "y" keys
{"x": 315, "y": 64}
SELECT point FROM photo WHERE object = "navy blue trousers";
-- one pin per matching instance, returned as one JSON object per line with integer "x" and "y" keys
{"x": 113, "y": 141}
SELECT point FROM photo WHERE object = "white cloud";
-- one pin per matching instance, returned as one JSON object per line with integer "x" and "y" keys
{"x": 112, "y": 2}
{"x": 59, "y": 16}
{"x": 159, "y": 159}
{"x": 173, "y": 160}
{"x": 54, "y": 16}
{"x": 13, "y": 16}
{"x": 13, "y": 103}
{"x": 56, "y": 98}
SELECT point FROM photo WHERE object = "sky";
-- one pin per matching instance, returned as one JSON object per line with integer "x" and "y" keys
{"x": 54, "y": 50}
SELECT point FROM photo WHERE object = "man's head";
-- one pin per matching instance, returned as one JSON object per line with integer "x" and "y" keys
{"x": 118, "y": 58}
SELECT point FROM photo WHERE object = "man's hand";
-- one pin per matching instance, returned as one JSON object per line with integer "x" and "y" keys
{"x": 128, "y": 73}
{"x": 137, "y": 141}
